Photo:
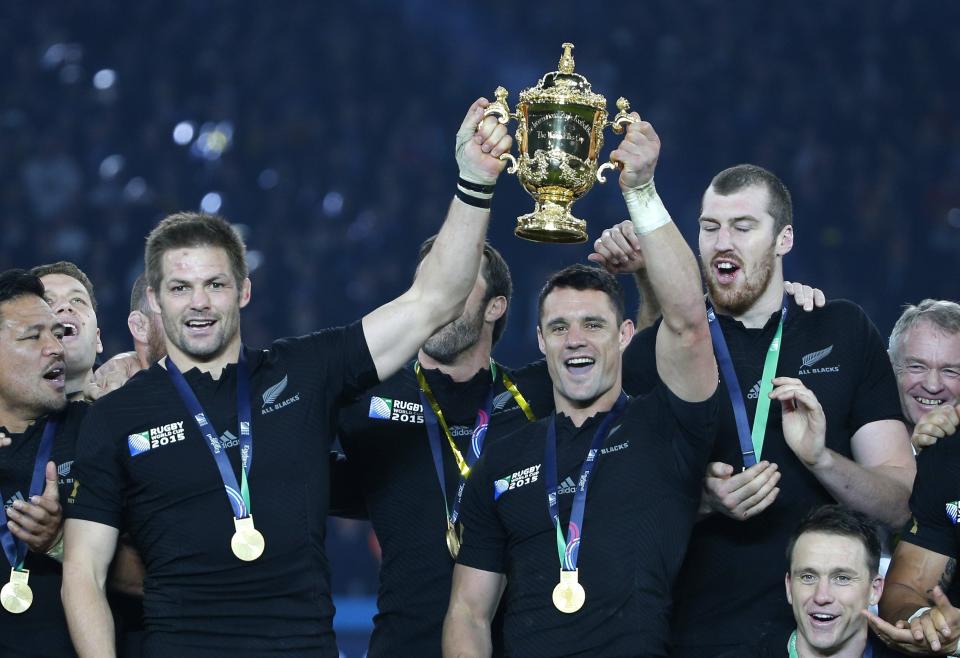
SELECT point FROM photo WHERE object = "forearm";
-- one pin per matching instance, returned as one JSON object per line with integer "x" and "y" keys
{"x": 900, "y": 601}
{"x": 671, "y": 272}
{"x": 449, "y": 271}
{"x": 465, "y": 636}
{"x": 881, "y": 492}
{"x": 88, "y": 614}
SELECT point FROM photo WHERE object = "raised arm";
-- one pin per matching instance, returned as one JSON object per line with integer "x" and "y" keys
{"x": 395, "y": 331}
{"x": 473, "y": 601}
{"x": 685, "y": 359}
{"x": 88, "y": 550}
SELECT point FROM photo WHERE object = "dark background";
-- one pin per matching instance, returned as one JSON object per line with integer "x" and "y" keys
{"x": 327, "y": 131}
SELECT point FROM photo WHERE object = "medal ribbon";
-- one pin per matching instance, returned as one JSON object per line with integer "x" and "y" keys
{"x": 13, "y": 548}
{"x": 239, "y": 496}
{"x": 751, "y": 442}
{"x": 434, "y": 420}
{"x": 792, "y": 647}
{"x": 569, "y": 550}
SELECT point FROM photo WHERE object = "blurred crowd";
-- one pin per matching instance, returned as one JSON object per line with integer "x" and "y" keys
{"x": 324, "y": 131}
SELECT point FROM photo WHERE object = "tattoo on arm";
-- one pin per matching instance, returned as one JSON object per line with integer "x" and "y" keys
{"x": 948, "y": 571}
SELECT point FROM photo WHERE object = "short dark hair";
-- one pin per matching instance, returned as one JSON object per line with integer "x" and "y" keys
{"x": 70, "y": 270}
{"x": 842, "y": 521}
{"x": 583, "y": 277}
{"x": 138, "y": 295}
{"x": 732, "y": 180}
{"x": 18, "y": 283}
{"x": 496, "y": 274}
{"x": 189, "y": 230}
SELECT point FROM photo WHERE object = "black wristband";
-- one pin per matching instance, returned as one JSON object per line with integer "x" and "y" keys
{"x": 475, "y": 187}
{"x": 476, "y": 202}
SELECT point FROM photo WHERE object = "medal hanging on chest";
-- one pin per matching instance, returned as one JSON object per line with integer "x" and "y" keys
{"x": 16, "y": 596}
{"x": 247, "y": 543}
{"x": 569, "y": 595}
{"x": 436, "y": 423}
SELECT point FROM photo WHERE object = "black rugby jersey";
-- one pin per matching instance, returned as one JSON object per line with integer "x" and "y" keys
{"x": 390, "y": 464}
{"x": 42, "y": 629}
{"x": 641, "y": 503}
{"x": 839, "y": 355}
{"x": 141, "y": 460}
{"x": 934, "y": 504}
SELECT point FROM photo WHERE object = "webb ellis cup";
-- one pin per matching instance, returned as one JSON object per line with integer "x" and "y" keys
{"x": 560, "y": 125}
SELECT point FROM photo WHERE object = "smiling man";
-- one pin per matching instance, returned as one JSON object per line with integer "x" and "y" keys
{"x": 592, "y": 576}
{"x": 925, "y": 352}
{"x": 34, "y": 468}
{"x": 833, "y": 577}
{"x": 219, "y": 581}
{"x": 70, "y": 294}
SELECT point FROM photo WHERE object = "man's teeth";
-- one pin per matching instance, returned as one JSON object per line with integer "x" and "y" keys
{"x": 823, "y": 617}
{"x": 928, "y": 401}
{"x": 199, "y": 323}
{"x": 69, "y": 329}
{"x": 726, "y": 267}
{"x": 53, "y": 374}
{"x": 579, "y": 361}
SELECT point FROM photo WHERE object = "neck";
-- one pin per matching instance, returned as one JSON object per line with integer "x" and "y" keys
{"x": 766, "y": 304}
{"x": 142, "y": 352}
{"x": 578, "y": 411}
{"x": 16, "y": 420}
{"x": 214, "y": 366}
{"x": 466, "y": 364}
{"x": 852, "y": 648}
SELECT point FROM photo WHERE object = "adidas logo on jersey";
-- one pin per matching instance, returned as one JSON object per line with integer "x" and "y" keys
{"x": 568, "y": 486}
{"x": 754, "y": 392}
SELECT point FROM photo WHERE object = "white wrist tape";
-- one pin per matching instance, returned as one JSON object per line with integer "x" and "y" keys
{"x": 646, "y": 209}
{"x": 916, "y": 615}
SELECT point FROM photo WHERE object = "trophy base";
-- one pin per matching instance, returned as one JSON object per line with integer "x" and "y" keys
{"x": 551, "y": 222}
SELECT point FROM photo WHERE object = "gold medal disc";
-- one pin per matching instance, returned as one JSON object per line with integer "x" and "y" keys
{"x": 453, "y": 541}
{"x": 568, "y": 595}
{"x": 247, "y": 543}
{"x": 16, "y": 596}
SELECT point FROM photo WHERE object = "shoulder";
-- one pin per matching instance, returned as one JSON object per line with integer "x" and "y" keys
{"x": 515, "y": 448}
{"x": 137, "y": 389}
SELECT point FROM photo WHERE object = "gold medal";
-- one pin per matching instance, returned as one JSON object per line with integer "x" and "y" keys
{"x": 16, "y": 596}
{"x": 247, "y": 543}
{"x": 568, "y": 595}
{"x": 453, "y": 540}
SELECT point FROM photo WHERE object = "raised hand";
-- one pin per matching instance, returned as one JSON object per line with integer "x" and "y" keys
{"x": 637, "y": 153}
{"x": 739, "y": 496}
{"x": 480, "y": 143}
{"x": 804, "y": 424}
{"x": 38, "y": 522}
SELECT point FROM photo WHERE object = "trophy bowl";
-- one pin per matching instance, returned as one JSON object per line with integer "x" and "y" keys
{"x": 560, "y": 124}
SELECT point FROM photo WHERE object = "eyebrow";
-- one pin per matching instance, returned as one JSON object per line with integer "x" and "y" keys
{"x": 742, "y": 218}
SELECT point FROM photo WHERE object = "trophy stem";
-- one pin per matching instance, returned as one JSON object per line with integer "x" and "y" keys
{"x": 551, "y": 220}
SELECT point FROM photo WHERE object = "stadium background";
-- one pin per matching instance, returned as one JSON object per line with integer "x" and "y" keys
{"x": 325, "y": 130}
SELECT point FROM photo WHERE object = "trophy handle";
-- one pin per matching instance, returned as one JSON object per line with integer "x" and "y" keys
{"x": 499, "y": 108}
{"x": 601, "y": 177}
{"x": 512, "y": 167}
{"x": 623, "y": 118}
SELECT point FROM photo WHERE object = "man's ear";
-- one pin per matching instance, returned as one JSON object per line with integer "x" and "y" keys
{"x": 784, "y": 241}
{"x": 138, "y": 324}
{"x": 496, "y": 308}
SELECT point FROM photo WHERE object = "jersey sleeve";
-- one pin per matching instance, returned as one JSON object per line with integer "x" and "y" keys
{"x": 640, "y": 362}
{"x": 932, "y": 525}
{"x": 99, "y": 477}
{"x": 697, "y": 424}
{"x": 337, "y": 357}
{"x": 484, "y": 537}
{"x": 876, "y": 397}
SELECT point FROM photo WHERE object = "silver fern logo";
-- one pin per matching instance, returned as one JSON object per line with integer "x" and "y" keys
{"x": 814, "y": 357}
{"x": 271, "y": 394}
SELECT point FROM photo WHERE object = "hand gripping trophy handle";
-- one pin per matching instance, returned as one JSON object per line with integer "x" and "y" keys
{"x": 501, "y": 111}
{"x": 619, "y": 124}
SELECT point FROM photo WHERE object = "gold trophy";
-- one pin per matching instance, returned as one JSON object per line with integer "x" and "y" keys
{"x": 560, "y": 125}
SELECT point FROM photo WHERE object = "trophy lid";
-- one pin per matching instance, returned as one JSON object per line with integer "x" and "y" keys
{"x": 564, "y": 86}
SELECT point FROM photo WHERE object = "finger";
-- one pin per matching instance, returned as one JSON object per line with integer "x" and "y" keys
{"x": 807, "y": 293}
{"x": 782, "y": 381}
{"x": 719, "y": 470}
{"x": 819, "y": 299}
{"x": 5, "y": 440}
{"x": 744, "y": 477}
{"x": 630, "y": 233}
{"x": 886, "y": 630}
{"x": 37, "y": 513}
{"x": 50, "y": 489}
{"x": 735, "y": 497}
{"x": 502, "y": 146}
{"x": 757, "y": 504}
{"x": 492, "y": 137}
{"x": 950, "y": 614}
{"x": 939, "y": 623}
{"x": 23, "y": 523}
{"x": 473, "y": 116}
{"x": 930, "y": 632}
{"x": 616, "y": 245}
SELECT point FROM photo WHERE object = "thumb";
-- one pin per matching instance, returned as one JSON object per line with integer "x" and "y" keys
{"x": 719, "y": 470}
{"x": 51, "y": 491}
